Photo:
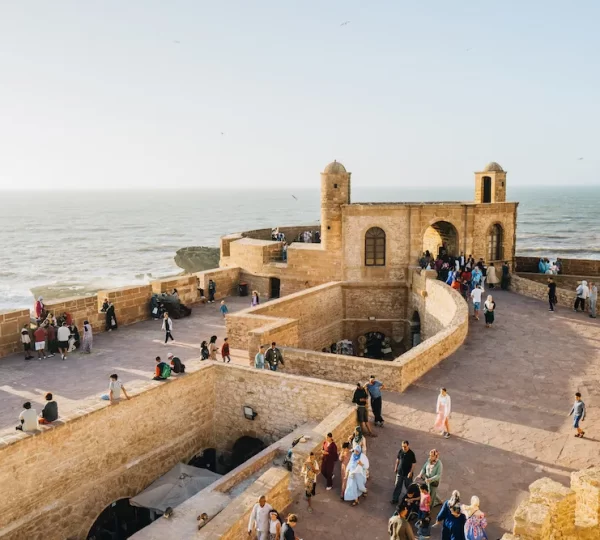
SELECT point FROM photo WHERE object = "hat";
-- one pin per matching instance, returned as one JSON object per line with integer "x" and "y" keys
{"x": 170, "y": 355}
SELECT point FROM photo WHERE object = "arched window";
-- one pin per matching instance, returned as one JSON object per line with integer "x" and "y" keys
{"x": 495, "y": 241}
{"x": 375, "y": 247}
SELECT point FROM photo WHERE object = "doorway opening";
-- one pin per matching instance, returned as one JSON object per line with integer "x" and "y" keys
{"x": 415, "y": 329}
{"x": 118, "y": 521}
{"x": 487, "y": 189}
{"x": 275, "y": 287}
{"x": 440, "y": 239}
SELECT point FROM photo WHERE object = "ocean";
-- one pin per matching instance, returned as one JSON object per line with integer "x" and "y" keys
{"x": 72, "y": 243}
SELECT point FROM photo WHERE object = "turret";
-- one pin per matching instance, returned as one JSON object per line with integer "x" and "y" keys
{"x": 490, "y": 184}
{"x": 335, "y": 191}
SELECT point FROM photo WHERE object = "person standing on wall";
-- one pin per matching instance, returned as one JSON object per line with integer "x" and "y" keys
{"x": 273, "y": 357}
{"x": 167, "y": 326}
{"x": 362, "y": 415}
{"x": 404, "y": 469}
{"x": 552, "y": 300}
{"x": 374, "y": 387}
{"x": 212, "y": 290}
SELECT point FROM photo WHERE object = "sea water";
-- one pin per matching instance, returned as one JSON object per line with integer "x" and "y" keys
{"x": 76, "y": 242}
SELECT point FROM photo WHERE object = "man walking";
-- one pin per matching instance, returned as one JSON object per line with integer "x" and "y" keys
{"x": 39, "y": 337}
{"x": 374, "y": 387}
{"x": 476, "y": 296}
{"x": 259, "y": 519}
{"x": 212, "y": 289}
{"x": 551, "y": 294}
{"x": 398, "y": 526}
{"x": 63, "y": 340}
{"x": 273, "y": 357}
{"x": 404, "y": 468}
{"x": 259, "y": 359}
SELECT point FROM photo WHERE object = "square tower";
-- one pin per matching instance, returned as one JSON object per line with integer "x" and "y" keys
{"x": 335, "y": 192}
{"x": 490, "y": 184}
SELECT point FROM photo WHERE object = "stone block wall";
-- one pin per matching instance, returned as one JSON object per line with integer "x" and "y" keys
{"x": 132, "y": 304}
{"x": 63, "y": 477}
{"x": 187, "y": 287}
{"x": 567, "y": 283}
{"x": 226, "y": 280}
{"x": 539, "y": 291}
{"x": 556, "y": 512}
{"x": 283, "y": 402}
{"x": 11, "y": 323}
{"x": 81, "y": 308}
{"x": 574, "y": 267}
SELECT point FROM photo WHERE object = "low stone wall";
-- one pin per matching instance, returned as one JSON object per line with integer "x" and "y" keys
{"x": 575, "y": 267}
{"x": 555, "y": 512}
{"x": 187, "y": 288}
{"x": 539, "y": 291}
{"x": 568, "y": 283}
{"x": 226, "y": 280}
{"x": 11, "y": 323}
{"x": 441, "y": 304}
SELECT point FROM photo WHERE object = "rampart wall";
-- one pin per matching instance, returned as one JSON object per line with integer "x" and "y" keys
{"x": 131, "y": 303}
{"x": 62, "y": 477}
{"x": 574, "y": 267}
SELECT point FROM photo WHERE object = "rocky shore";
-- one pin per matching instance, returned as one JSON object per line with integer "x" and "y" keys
{"x": 197, "y": 258}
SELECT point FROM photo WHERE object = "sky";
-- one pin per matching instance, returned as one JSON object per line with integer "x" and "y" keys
{"x": 148, "y": 94}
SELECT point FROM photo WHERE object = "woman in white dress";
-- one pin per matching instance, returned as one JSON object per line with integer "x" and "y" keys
{"x": 356, "y": 476}
{"x": 443, "y": 410}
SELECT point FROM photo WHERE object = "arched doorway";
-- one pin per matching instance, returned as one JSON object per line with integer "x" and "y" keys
{"x": 118, "y": 521}
{"x": 495, "y": 243}
{"x": 415, "y": 329}
{"x": 441, "y": 238}
{"x": 487, "y": 189}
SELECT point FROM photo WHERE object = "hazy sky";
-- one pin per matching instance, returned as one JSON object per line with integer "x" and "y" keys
{"x": 137, "y": 93}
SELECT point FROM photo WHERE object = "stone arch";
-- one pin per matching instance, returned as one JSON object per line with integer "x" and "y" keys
{"x": 375, "y": 246}
{"x": 495, "y": 242}
{"x": 439, "y": 233}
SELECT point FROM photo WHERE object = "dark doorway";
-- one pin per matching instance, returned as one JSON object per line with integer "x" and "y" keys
{"x": 487, "y": 189}
{"x": 119, "y": 521}
{"x": 415, "y": 329}
{"x": 275, "y": 287}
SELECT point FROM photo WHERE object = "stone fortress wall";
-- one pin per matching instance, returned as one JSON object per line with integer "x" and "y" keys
{"x": 556, "y": 512}
{"x": 62, "y": 477}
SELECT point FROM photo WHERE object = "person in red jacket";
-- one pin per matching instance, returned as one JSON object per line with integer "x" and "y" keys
{"x": 225, "y": 351}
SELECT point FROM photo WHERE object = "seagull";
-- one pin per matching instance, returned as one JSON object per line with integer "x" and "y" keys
{"x": 222, "y": 133}
{"x": 579, "y": 159}
{"x": 175, "y": 41}
{"x": 468, "y": 49}
{"x": 295, "y": 197}
{"x": 345, "y": 23}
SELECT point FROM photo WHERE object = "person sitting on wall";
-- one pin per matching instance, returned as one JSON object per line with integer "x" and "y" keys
{"x": 50, "y": 410}
{"x": 176, "y": 365}
{"x": 162, "y": 371}
{"x": 28, "y": 418}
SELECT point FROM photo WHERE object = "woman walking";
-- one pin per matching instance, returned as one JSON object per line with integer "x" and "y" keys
{"x": 443, "y": 409}
{"x": 204, "y": 353}
{"x": 274, "y": 525}
{"x": 330, "y": 458}
{"x": 310, "y": 469}
{"x": 344, "y": 460}
{"x": 111, "y": 318}
{"x": 453, "y": 522}
{"x": 356, "y": 476}
{"x": 431, "y": 472}
{"x": 488, "y": 309}
{"x": 357, "y": 438}
{"x": 212, "y": 348}
{"x": 167, "y": 326}
{"x": 476, "y": 522}
{"x": 88, "y": 338}
{"x": 492, "y": 278}
{"x": 255, "y": 299}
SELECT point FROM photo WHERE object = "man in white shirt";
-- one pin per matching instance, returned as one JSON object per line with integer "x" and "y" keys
{"x": 476, "y": 296}
{"x": 63, "y": 340}
{"x": 28, "y": 418}
{"x": 114, "y": 390}
{"x": 259, "y": 519}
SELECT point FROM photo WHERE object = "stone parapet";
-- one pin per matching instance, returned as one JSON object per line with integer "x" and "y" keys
{"x": 187, "y": 288}
{"x": 573, "y": 267}
{"x": 11, "y": 323}
{"x": 539, "y": 291}
{"x": 226, "y": 280}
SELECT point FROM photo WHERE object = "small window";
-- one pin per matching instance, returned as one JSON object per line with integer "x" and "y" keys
{"x": 328, "y": 228}
{"x": 335, "y": 186}
{"x": 375, "y": 247}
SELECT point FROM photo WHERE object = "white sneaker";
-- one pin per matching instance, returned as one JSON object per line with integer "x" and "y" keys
{"x": 327, "y": 488}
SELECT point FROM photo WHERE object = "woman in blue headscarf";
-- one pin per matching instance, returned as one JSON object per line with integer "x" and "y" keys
{"x": 356, "y": 476}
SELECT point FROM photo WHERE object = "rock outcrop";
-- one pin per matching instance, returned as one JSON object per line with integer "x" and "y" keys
{"x": 197, "y": 258}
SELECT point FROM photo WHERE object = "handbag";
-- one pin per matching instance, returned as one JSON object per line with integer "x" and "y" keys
{"x": 113, "y": 322}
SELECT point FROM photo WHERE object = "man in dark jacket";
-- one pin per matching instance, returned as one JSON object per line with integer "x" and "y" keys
{"x": 273, "y": 357}
{"x": 50, "y": 410}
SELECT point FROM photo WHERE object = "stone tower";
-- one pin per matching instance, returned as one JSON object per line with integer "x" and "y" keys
{"x": 335, "y": 191}
{"x": 490, "y": 184}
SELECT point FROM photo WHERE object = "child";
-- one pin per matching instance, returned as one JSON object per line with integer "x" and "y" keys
{"x": 424, "y": 528}
{"x": 225, "y": 351}
{"x": 425, "y": 504}
{"x": 223, "y": 308}
{"x": 204, "y": 351}
{"x": 578, "y": 411}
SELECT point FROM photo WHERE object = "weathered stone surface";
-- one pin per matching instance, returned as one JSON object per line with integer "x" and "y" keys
{"x": 197, "y": 258}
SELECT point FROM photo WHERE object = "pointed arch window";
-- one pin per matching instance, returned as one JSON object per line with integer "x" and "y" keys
{"x": 375, "y": 247}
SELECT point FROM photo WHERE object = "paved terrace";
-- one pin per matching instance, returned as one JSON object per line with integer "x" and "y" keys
{"x": 511, "y": 386}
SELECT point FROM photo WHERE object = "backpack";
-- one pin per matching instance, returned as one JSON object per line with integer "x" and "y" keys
{"x": 165, "y": 371}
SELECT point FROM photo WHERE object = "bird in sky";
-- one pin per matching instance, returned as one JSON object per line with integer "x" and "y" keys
{"x": 222, "y": 133}
{"x": 175, "y": 41}
{"x": 579, "y": 159}
{"x": 345, "y": 23}
{"x": 294, "y": 196}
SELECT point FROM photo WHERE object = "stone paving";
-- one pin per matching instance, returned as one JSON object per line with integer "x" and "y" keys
{"x": 129, "y": 351}
{"x": 512, "y": 387}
